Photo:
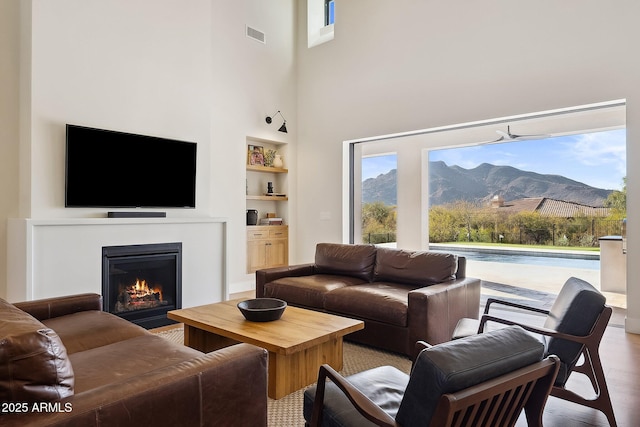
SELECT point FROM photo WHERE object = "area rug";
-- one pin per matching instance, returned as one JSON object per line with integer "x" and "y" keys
{"x": 287, "y": 412}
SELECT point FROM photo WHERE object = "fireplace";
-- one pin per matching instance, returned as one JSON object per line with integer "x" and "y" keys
{"x": 141, "y": 283}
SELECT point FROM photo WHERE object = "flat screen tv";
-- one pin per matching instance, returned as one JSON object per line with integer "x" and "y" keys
{"x": 112, "y": 169}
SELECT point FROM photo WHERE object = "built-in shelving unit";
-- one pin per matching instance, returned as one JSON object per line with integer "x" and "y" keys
{"x": 267, "y": 245}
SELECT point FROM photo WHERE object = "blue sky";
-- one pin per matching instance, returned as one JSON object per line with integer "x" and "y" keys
{"x": 596, "y": 159}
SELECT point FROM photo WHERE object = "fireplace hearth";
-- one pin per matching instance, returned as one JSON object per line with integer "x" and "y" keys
{"x": 141, "y": 283}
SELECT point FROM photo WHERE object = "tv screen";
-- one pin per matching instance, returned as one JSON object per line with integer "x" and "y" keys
{"x": 122, "y": 170}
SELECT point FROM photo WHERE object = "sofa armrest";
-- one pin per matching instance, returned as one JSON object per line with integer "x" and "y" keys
{"x": 435, "y": 310}
{"x": 267, "y": 275}
{"x": 221, "y": 388}
{"x": 48, "y": 308}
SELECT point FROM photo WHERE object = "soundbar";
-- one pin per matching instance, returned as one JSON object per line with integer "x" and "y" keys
{"x": 112, "y": 214}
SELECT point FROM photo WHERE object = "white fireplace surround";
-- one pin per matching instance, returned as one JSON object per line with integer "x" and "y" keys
{"x": 56, "y": 257}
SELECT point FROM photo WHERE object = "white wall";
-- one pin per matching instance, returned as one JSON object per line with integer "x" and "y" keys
{"x": 401, "y": 66}
{"x": 65, "y": 255}
{"x": 167, "y": 68}
{"x": 142, "y": 67}
{"x": 251, "y": 81}
{"x": 9, "y": 122}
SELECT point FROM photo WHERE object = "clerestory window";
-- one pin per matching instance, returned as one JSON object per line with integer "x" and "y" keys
{"x": 329, "y": 12}
{"x": 320, "y": 21}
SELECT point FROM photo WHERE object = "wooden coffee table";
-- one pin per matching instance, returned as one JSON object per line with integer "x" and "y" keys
{"x": 298, "y": 343}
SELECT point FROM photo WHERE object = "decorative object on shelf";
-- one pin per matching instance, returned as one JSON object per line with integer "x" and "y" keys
{"x": 252, "y": 217}
{"x": 262, "y": 309}
{"x": 271, "y": 221}
{"x": 255, "y": 155}
{"x": 277, "y": 161}
{"x": 269, "y": 187}
{"x": 283, "y": 128}
{"x": 269, "y": 157}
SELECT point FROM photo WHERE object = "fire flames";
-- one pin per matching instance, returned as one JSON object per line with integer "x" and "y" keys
{"x": 141, "y": 289}
{"x": 138, "y": 296}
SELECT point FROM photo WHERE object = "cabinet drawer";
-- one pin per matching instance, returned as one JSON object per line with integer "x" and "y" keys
{"x": 279, "y": 233}
{"x": 257, "y": 234}
{"x": 267, "y": 232}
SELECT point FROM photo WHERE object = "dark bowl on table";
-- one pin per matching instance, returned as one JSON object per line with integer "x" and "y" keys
{"x": 262, "y": 309}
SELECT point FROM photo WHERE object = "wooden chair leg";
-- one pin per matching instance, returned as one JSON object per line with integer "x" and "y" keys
{"x": 592, "y": 368}
{"x": 534, "y": 408}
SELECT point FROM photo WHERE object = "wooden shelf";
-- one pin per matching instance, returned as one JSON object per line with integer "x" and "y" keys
{"x": 268, "y": 198}
{"x": 266, "y": 169}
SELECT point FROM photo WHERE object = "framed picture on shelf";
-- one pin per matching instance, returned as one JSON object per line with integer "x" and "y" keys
{"x": 255, "y": 156}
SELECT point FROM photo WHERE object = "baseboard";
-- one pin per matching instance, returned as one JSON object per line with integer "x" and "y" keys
{"x": 632, "y": 325}
{"x": 238, "y": 289}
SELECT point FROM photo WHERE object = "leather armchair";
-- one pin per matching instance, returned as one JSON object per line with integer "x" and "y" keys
{"x": 573, "y": 327}
{"x": 459, "y": 380}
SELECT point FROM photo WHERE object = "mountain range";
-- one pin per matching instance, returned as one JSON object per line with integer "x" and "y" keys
{"x": 452, "y": 183}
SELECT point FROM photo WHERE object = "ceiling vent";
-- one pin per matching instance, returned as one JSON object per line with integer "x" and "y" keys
{"x": 256, "y": 35}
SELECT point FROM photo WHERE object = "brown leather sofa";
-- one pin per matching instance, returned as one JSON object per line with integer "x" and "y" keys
{"x": 64, "y": 362}
{"x": 402, "y": 296}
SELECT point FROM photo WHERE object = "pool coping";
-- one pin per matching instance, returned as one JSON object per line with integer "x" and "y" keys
{"x": 550, "y": 253}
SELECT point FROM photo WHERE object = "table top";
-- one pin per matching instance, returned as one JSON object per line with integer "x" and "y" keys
{"x": 296, "y": 330}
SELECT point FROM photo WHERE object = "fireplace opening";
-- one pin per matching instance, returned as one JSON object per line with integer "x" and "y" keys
{"x": 141, "y": 283}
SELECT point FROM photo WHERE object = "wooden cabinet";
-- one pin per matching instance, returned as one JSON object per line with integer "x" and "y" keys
{"x": 267, "y": 246}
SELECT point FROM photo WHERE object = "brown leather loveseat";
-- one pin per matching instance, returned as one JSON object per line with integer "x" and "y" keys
{"x": 402, "y": 296}
{"x": 64, "y": 362}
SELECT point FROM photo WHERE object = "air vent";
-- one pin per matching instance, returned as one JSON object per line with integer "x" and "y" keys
{"x": 256, "y": 35}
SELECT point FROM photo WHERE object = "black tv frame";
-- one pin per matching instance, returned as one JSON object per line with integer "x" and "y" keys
{"x": 113, "y": 169}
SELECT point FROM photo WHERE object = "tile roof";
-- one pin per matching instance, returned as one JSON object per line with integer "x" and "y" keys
{"x": 529, "y": 204}
{"x": 552, "y": 207}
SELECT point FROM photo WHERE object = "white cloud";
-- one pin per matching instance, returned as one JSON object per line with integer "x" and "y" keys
{"x": 597, "y": 159}
{"x": 603, "y": 154}
{"x": 594, "y": 149}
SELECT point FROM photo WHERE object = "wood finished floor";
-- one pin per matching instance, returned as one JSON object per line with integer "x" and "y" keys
{"x": 620, "y": 354}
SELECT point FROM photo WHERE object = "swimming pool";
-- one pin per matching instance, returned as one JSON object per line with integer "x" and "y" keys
{"x": 589, "y": 261}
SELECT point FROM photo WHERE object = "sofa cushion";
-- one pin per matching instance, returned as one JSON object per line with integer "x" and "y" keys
{"x": 126, "y": 359}
{"x": 348, "y": 260}
{"x": 420, "y": 268}
{"x": 85, "y": 330}
{"x": 379, "y": 301}
{"x": 34, "y": 365}
{"x": 383, "y": 385}
{"x": 456, "y": 365}
{"x": 307, "y": 291}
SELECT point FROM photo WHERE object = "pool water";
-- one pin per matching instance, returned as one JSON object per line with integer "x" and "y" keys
{"x": 519, "y": 258}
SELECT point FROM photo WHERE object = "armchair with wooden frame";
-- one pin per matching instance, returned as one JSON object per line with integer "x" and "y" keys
{"x": 485, "y": 379}
{"x": 573, "y": 327}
